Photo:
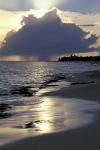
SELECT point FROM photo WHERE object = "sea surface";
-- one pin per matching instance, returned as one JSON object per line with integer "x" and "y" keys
{"x": 24, "y": 112}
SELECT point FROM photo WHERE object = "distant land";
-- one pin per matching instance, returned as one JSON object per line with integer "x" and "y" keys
{"x": 79, "y": 58}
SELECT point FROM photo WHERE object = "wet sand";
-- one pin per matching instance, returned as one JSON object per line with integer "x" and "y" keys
{"x": 87, "y": 92}
{"x": 84, "y": 138}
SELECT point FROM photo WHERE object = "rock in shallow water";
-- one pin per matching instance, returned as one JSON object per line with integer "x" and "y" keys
{"x": 26, "y": 126}
{"x": 25, "y": 91}
{"x": 4, "y": 107}
{"x": 4, "y": 115}
{"x": 4, "y": 111}
{"x": 29, "y": 125}
{"x": 82, "y": 83}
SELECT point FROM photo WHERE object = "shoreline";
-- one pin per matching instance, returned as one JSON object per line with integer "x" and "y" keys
{"x": 78, "y": 92}
{"x": 83, "y": 138}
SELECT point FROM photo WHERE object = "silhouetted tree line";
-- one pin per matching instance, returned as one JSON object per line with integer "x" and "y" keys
{"x": 80, "y": 58}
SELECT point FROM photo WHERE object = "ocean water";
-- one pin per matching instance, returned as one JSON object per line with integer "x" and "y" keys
{"x": 26, "y": 113}
{"x": 14, "y": 74}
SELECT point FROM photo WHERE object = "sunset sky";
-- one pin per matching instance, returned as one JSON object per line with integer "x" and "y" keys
{"x": 47, "y": 29}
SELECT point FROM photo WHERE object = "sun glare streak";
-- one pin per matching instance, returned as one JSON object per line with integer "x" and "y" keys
{"x": 47, "y": 4}
{"x": 46, "y": 115}
{"x": 38, "y": 13}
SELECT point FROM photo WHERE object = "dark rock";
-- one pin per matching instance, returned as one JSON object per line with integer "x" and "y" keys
{"x": 61, "y": 77}
{"x": 82, "y": 83}
{"x": 25, "y": 91}
{"x": 38, "y": 121}
{"x": 26, "y": 126}
{"x": 92, "y": 82}
{"x": 4, "y": 94}
{"x": 29, "y": 125}
{"x": 75, "y": 83}
{"x": 52, "y": 85}
{"x": 5, "y": 115}
{"x": 4, "y": 107}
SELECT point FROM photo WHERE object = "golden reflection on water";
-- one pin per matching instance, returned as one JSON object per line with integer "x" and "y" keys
{"x": 58, "y": 114}
{"x": 45, "y": 114}
{"x": 53, "y": 114}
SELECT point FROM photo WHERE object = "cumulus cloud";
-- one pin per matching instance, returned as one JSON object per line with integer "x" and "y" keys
{"x": 46, "y": 37}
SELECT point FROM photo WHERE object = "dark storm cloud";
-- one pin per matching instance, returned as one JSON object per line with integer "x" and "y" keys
{"x": 81, "y": 5}
{"x": 46, "y": 37}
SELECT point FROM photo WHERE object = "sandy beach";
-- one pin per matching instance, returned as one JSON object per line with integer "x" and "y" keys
{"x": 83, "y": 138}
